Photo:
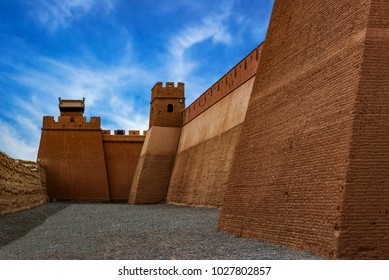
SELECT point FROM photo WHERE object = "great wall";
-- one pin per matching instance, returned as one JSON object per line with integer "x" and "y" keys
{"x": 292, "y": 143}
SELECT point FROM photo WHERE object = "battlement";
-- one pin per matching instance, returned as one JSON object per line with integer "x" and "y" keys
{"x": 237, "y": 76}
{"x": 123, "y": 136}
{"x": 121, "y": 132}
{"x": 168, "y": 91}
{"x": 71, "y": 122}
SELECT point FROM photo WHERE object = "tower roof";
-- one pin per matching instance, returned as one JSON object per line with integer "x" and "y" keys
{"x": 71, "y": 105}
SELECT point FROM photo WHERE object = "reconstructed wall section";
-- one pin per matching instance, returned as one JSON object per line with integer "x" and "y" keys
{"x": 71, "y": 150}
{"x": 22, "y": 184}
{"x": 311, "y": 168}
{"x": 205, "y": 151}
{"x": 209, "y": 136}
{"x": 121, "y": 154}
{"x": 151, "y": 179}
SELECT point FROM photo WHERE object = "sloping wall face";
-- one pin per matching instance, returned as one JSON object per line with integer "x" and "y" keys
{"x": 211, "y": 126}
{"x": 121, "y": 154}
{"x": 72, "y": 153}
{"x": 154, "y": 167}
{"x": 22, "y": 184}
{"x": 294, "y": 166}
{"x": 364, "y": 229}
{"x": 205, "y": 151}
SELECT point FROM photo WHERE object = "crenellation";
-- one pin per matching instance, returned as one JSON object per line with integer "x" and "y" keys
{"x": 134, "y": 132}
{"x": 239, "y": 74}
{"x": 167, "y": 104}
{"x": 70, "y": 122}
{"x": 122, "y": 132}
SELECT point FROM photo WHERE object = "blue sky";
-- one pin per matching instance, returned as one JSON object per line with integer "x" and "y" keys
{"x": 112, "y": 52}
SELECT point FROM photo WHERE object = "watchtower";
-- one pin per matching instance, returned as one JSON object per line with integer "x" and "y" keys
{"x": 166, "y": 105}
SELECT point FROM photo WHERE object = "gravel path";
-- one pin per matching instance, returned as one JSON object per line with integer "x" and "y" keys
{"x": 122, "y": 231}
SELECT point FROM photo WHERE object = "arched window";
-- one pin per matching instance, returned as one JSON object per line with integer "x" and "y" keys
{"x": 170, "y": 107}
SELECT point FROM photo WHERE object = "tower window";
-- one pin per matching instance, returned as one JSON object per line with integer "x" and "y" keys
{"x": 170, "y": 107}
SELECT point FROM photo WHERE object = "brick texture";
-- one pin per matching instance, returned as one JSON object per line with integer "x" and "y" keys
{"x": 121, "y": 153}
{"x": 364, "y": 229}
{"x": 201, "y": 172}
{"x": 301, "y": 158}
{"x": 22, "y": 184}
{"x": 72, "y": 152}
{"x": 153, "y": 171}
{"x": 151, "y": 179}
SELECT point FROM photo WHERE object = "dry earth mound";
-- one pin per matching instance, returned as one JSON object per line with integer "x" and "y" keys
{"x": 22, "y": 184}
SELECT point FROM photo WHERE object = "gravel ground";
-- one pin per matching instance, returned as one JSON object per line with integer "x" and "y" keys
{"x": 122, "y": 231}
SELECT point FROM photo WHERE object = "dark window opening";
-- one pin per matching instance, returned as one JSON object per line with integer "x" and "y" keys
{"x": 170, "y": 108}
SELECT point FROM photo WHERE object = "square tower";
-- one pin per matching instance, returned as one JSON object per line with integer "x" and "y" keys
{"x": 167, "y": 104}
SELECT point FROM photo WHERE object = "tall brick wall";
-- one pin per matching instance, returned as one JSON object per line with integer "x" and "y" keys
{"x": 71, "y": 150}
{"x": 152, "y": 174}
{"x": 364, "y": 228}
{"x": 205, "y": 151}
{"x": 22, "y": 184}
{"x": 314, "y": 148}
{"x": 121, "y": 153}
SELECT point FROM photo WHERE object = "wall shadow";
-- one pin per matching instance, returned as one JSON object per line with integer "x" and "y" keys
{"x": 15, "y": 225}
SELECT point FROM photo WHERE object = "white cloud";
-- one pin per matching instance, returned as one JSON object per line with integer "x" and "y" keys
{"x": 61, "y": 13}
{"x": 13, "y": 143}
{"x": 212, "y": 27}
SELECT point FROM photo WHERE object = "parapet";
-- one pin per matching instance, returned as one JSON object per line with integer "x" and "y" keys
{"x": 71, "y": 122}
{"x": 237, "y": 76}
{"x": 168, "y": 91}
{"x": 121, "y": 136}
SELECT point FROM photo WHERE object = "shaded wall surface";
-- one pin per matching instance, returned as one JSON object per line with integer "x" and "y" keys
{"x": 205, "y": 151}
{"x": 121, "y": 154}
{"x": 310, "y": 169}
{"x": 211, "y": 126}
{"x": 152, "y": 174}
{"x": 72, "y": 152}
{"x": 22, "y": 184}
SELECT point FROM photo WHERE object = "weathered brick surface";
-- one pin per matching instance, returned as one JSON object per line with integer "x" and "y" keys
{"x": 152, "y": 174}
{"x": 364, "y": 230}
{"x": 22, "y": 184}
{"x": 300, "y": 157}
{"x": 151, "y": 179}
{"x": 201, "y": 172}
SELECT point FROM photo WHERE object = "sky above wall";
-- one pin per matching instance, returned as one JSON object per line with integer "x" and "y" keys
{"x": 112, "y": 52}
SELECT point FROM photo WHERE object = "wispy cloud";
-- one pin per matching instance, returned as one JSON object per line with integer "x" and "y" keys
{"x": 210, "y": 28}
{"x": 14, "y": 144}
{"x": 61, "y": 14}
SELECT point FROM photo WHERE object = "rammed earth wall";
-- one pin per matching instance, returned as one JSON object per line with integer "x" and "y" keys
{"x": 22, "y": 184}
